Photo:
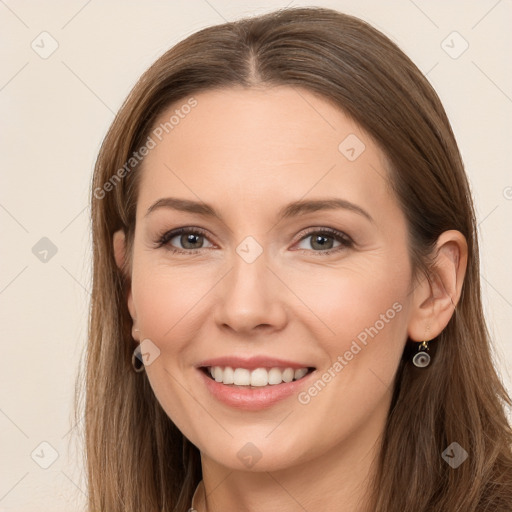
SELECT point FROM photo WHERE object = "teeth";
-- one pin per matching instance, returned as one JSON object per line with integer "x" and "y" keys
{"x": 241, "y": 376}
{"x": 258, "y": 378}
{"x": 275, "y": 376}
{"x": 228, "y": 376}
{"x": 300, "y": 373}
{"x": 217, "y": 374}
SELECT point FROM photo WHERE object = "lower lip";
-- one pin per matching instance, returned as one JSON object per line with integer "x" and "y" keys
{"x": 256, "y": 398}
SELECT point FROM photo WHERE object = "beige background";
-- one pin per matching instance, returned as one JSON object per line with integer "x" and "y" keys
{"x": 55, "y": 112}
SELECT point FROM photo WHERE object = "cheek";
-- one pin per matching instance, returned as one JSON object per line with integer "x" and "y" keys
{"x": 166, "y": 300}
{"x": 360, "y": 302}
{"x": 168, "y": 304}
{"x": 367, "y": 312}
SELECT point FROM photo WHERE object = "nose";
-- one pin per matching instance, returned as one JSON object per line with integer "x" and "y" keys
{"x": 251, "y": 299}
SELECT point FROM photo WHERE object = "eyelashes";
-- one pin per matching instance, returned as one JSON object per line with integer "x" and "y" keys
{"x": 165, "y": 239}
{"x": 319, "y": 235}
{"x": 191, "y": 235}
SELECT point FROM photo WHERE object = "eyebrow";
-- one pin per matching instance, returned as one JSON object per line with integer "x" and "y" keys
{"x": 293, "y": 209}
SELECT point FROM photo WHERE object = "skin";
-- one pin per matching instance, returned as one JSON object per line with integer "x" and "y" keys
{"x": 248, "y": 153}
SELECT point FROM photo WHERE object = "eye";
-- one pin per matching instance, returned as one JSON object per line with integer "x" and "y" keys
{"x": 323, "y": 241}
{"x": 190, "y": 240}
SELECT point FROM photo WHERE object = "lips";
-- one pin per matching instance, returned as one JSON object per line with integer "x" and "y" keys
{"x": 253, "y": 383}
{"x": 249, "y": 398}
{"x": 253, "y": 362}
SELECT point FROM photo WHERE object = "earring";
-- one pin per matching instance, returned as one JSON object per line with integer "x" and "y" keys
{"x": 137, "y": 361}
{"x": 422, "y": 357}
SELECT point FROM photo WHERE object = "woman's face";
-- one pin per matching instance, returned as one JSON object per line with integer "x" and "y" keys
{"x": 293, "y": 255}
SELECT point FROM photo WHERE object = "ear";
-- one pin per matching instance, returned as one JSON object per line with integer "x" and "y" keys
{"x": 119, "y": 246}
{"x": 434, "y": 303}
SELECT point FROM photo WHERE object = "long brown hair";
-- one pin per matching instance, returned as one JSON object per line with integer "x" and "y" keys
{"x": 136, "y": 459}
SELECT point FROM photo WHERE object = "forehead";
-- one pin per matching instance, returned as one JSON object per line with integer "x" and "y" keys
{"x": 275, "y": 144}
{"x": 284, "y": 121}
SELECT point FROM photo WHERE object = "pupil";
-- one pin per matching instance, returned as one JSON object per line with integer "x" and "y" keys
{"x": 190, "y": 239}
{"x": 322, "y": 241}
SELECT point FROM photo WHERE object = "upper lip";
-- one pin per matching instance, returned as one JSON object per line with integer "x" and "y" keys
{"x": 252, "y": 363}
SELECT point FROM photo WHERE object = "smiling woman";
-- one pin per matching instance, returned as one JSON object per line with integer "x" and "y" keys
{"x": 286, "y": 307}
